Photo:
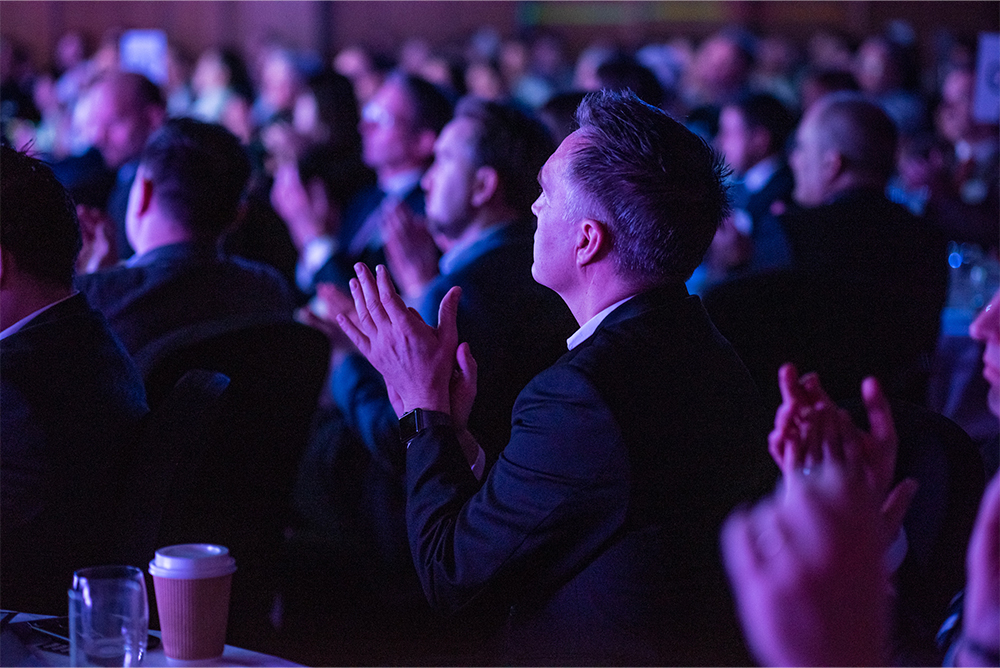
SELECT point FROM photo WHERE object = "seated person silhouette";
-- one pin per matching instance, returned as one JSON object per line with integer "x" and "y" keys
{"x": 72, "y": 398}
{"x": 186, "y": 193}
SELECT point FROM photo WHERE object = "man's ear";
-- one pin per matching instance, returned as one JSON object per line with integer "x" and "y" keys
{"x": 832, "y": 165}
{"x": 593, "y": 241}
{"x": 831, "y": 168}
{"x": 486, "y": 185}
{"x": 425, "y": 144}
{"x": 145, "y": 192}
{"x": 760, "y": 141}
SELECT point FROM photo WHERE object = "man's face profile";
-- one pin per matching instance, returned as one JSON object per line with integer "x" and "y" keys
{"x": 554, "y": 238}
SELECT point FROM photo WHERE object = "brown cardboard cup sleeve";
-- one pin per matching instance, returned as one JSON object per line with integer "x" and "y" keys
{"x": 192, "y": 584}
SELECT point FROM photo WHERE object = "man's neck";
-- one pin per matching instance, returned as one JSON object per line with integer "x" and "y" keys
{"x": 849, "y": 181}
{"x": 158, "y": 232}
{"x": 17, "y": 303}
{"x": 601, "y": 289}
{"x": 395, "y": 179}
{"x": 484, "y": 220}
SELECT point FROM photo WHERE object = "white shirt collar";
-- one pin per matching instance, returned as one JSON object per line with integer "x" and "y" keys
{"x": 17, "y": 326}
{"x": 758, "y": 175}
{"x": 589, "y": 327}
{"x": 400, "y": 184}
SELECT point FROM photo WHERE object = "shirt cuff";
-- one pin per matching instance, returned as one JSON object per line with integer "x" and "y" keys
{"x": 477, "y": 468}
{"x": 315, "y": 254}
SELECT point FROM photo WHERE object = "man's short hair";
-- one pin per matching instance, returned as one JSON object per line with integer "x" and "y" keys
{"x": 761, "y": 110}
{"x": 860, "y": 130}
{"x": 38, "y": 224}
{"x": 431, "y": 107}
{"x": 511, "y": 142}
{"x": 657, "y": 186}
{"x": 199, "y": 171}
{"x": 133, "y": 88}
{"x": 623, "y": 72}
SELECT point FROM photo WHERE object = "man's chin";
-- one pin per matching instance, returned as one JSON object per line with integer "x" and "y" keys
{"x": 993, "y": 399}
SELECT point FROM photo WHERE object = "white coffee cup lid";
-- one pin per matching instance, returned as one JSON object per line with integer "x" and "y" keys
{"x": 192, "y": 561}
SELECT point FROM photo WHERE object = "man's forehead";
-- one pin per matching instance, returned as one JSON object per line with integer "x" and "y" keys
{"x": 457, "y": 133}
{"x": 557, "y": 162}
{"x": 394, "y": 99}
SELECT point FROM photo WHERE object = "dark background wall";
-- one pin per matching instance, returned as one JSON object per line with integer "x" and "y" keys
{"x": 328, "y": 26}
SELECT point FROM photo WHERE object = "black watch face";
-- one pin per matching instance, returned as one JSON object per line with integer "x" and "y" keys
{"x": 408, "y": 426}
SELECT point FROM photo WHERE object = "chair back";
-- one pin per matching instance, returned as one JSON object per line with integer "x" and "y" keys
{"x": 172, "y": 437}
{"x": 237, "y": 494}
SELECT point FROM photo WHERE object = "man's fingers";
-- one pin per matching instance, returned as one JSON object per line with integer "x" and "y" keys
{"x": 366, "y": 299}
{"x": 448, "y": 317}
{"x": 879, "y": 412}
{"x": 813, "y": 391}
{"x": 357, "y": 337}
{"x": 388, "y": 297}
{"x": 739, "y": 547}
{"x": 788, "y": 383}
{"x": 467, "y": 366}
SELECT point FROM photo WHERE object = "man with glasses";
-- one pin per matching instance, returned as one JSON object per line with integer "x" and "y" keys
{"x": 398, "y": 128}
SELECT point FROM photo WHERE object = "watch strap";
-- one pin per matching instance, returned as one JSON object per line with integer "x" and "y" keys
{"x": 412, "y": 423}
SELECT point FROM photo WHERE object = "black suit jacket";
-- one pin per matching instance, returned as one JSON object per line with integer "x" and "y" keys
{"x": 599, "y": 524}
{"x": 184, "y": 288}
{"x": 515, "y": 328}
{"x": 71, "y": 404}
{"x": 884, "y": 273}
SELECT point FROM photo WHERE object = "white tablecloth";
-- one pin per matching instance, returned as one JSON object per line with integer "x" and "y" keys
{"x": 14, "y": 652}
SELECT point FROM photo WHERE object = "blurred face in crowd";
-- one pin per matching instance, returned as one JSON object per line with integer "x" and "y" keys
{"x": 719, "y": 65}
{"x": 279, "y": 83}
{"x": 451, "y": 180}
{"x": 118, "y": 125}
{"x": 555, "y": 236}
{"x": 986, "y": 329}
{"x": 742, "y": 146}
{"x": 355, "y": 64}
{"x": 954, "y": 116}
{"x": 389, "y": 142}
{"x": 210, "y": 73}
{"x": 484, "y": 81}
{"x": 874, "y": 70}
{"x": 808, "y": 162}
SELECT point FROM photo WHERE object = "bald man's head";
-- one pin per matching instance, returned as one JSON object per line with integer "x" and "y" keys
{"x": 843, "y": 141}
{"x": 860, "y": 131}
{"x": 125, "y": 108}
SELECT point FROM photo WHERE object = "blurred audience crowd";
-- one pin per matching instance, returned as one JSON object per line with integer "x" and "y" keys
{"x": 864, "y": 236}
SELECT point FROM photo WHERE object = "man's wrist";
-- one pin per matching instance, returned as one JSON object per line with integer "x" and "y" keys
{"x": 441, "y": 404}
{"x": 413, "y": 422}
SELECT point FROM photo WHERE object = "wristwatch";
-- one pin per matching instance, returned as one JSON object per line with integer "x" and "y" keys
{"x": 417, "y": 420}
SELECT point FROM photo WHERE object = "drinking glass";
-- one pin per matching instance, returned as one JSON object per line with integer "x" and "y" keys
{"x": 108, "y": 616}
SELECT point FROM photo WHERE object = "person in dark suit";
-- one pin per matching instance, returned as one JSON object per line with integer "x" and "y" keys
{"x": 123, "y": 110}
{"x": 398, "y": 128}
{"x": 72, "y": 399}
{"x": 881, "y": 265}
{"x": 753, "y": 131}
{"x": 596, "y": 529}
{"x": 479, "y": 191}
{"x": 179, "y": 286}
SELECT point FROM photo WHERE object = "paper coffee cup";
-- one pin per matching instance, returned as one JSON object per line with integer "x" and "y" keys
{"x": 192, "y": 584}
